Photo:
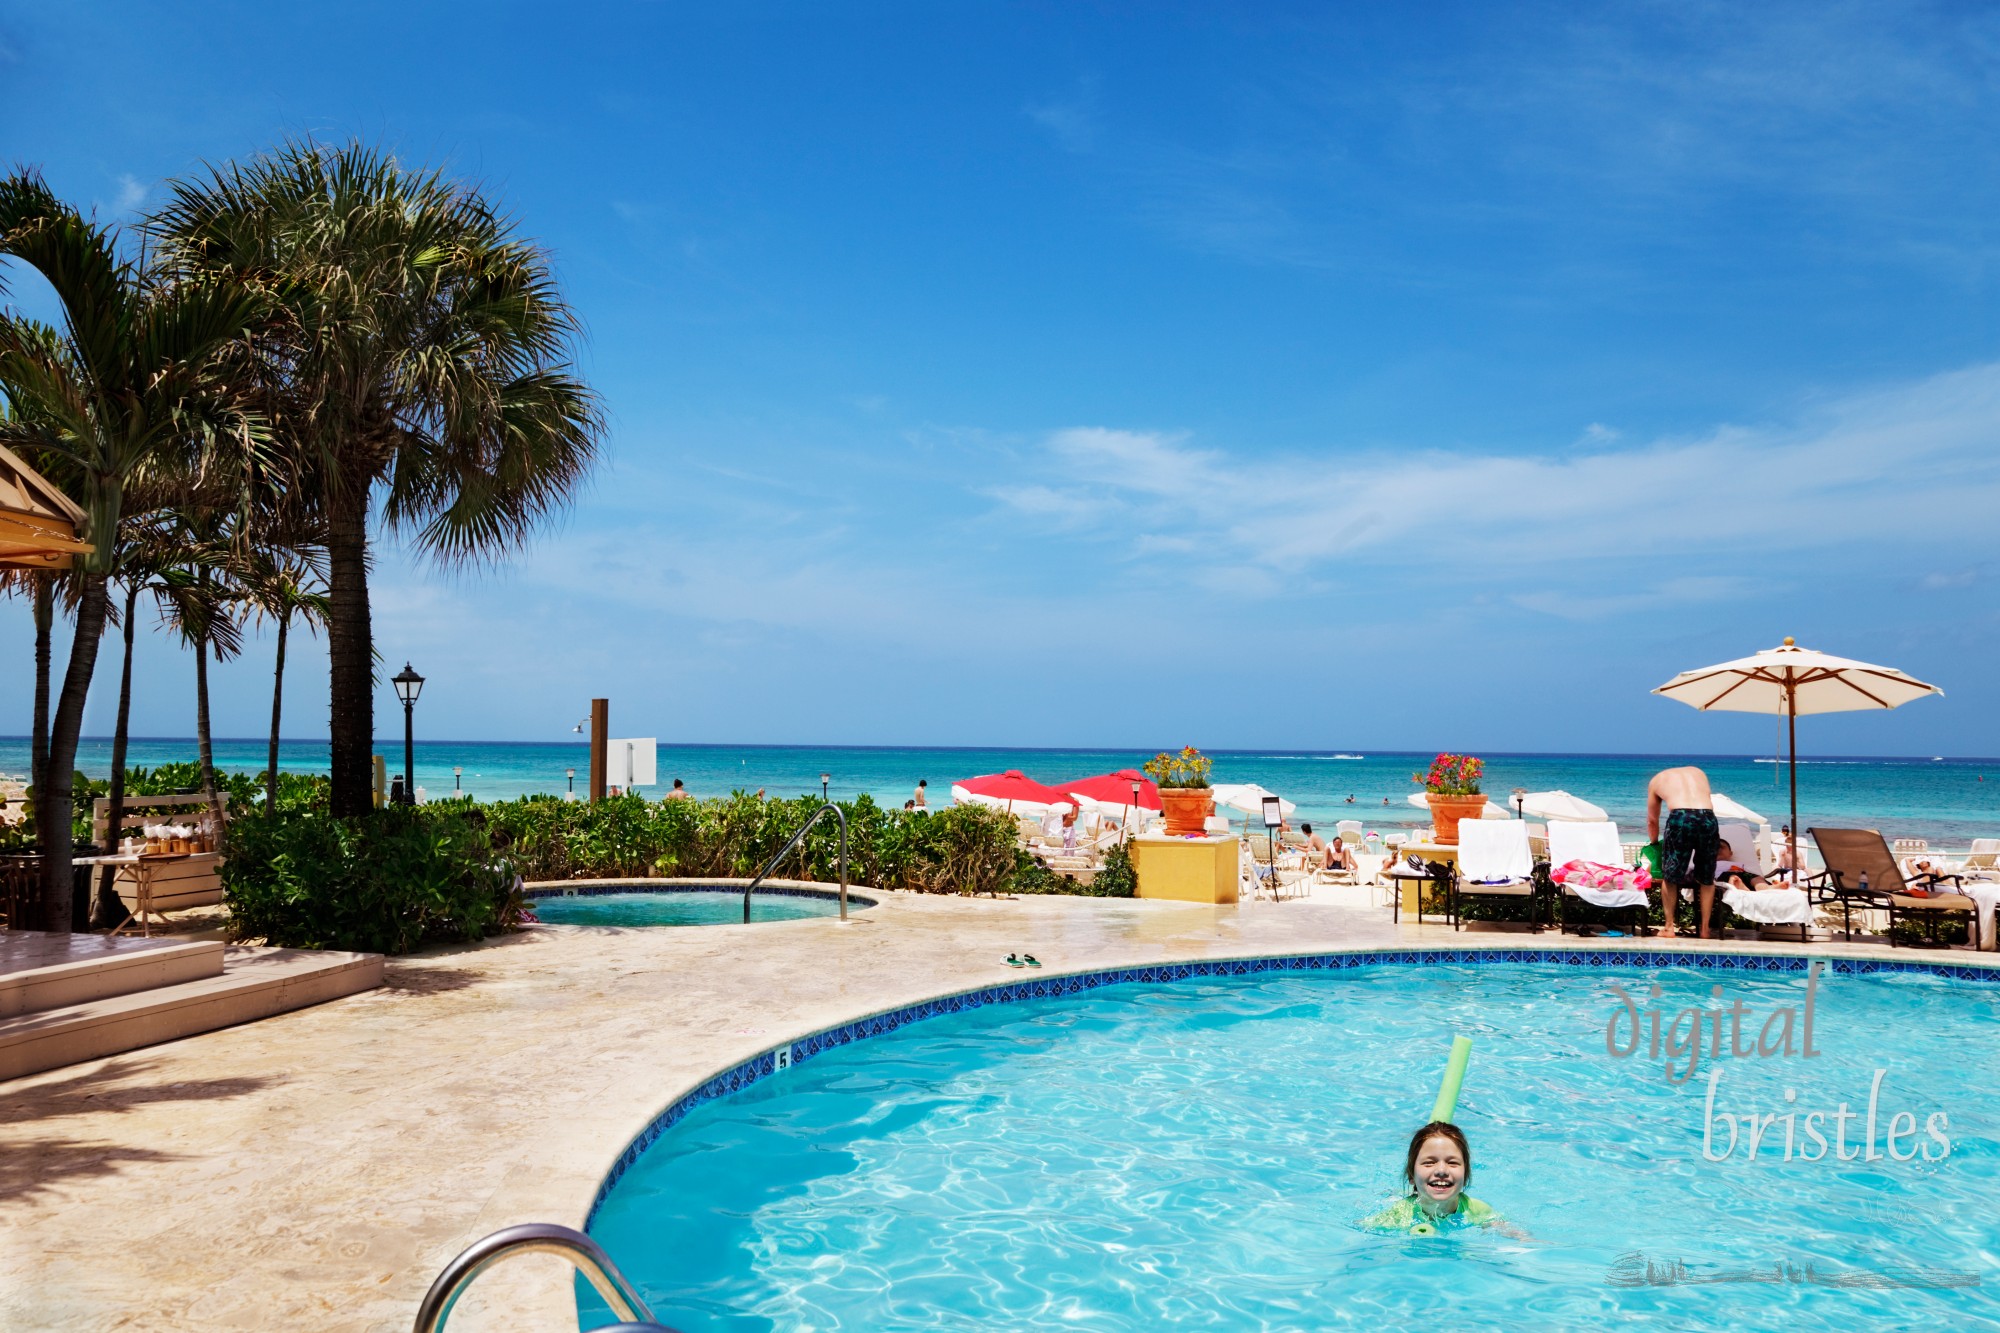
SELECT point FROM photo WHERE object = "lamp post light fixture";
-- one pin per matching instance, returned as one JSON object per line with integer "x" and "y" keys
{"x": 408, "y": 686}
{"x": 456, "y": 771}
{"x": 572, "y": 780}
{"x": 1132, "y": 815}
{"x": 1520, "y": 799}
{"x": 824, "y": 780}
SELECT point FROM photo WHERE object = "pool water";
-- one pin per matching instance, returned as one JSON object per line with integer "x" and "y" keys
{"x": 1200, "y": 1154}
{"x": 687, "y": 907}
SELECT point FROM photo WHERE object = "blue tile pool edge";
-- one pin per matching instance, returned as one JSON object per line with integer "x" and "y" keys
{"x": 761, "y": 1066}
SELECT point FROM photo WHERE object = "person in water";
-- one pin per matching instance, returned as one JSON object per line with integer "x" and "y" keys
{"x": 1437, "y": 1170}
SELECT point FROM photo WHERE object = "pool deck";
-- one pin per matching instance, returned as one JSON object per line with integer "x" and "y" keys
{"x": 315, "y": 1170}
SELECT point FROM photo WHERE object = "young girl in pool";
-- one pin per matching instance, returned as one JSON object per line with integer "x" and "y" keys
{"x": 1437, "y": 1170}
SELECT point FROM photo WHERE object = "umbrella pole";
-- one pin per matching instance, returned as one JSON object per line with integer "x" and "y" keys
{"x": 1792, "y": 728}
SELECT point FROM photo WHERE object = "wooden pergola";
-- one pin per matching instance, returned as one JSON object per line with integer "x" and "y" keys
{"x": 38, "y": 523}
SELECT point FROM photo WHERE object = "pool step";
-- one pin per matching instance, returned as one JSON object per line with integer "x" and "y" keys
{"x": 249, "y": 984}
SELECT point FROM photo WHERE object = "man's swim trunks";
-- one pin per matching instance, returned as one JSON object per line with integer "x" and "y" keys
{"x": 1687, "y": 848}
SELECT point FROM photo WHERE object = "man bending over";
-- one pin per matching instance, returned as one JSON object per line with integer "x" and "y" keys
{"x": 1689, "y": 841}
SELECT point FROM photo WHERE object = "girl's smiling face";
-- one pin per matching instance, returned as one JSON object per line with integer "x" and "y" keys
{"x": 1439, "y": 1173}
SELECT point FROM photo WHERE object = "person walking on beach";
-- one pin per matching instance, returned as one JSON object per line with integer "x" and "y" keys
{"x": 918, "y": 802}
{"x": 1689, "y": 842}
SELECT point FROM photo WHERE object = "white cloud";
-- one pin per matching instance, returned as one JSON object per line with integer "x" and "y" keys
{"x": 1907, "y": 465}
{"x": 130, "y": 195}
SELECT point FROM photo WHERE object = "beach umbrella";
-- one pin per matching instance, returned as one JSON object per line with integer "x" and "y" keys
{"x": 1115, "y": 789}
{"x": 1789, "y": 680}
{"x": 1728, "y": 809}
{"x": 1561, "y": 805}
{"x": 1492, "y": 811}
{"x": 1247, "y": 797}
{"x": 1012, "y": 791}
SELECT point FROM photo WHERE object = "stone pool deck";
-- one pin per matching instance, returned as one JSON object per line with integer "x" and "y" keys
{"x": 316, "y": 1169}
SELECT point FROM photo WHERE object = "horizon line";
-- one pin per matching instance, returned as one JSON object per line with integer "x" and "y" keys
{"x": 1359, "y": 752}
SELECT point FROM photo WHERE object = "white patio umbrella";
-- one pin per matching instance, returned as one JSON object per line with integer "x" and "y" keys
{"x": 1561, "y": 805}
{"x": 1790, "y": 680}
{"x": 1492, "y": 811}
{"x": 1728, "y": 809}
{"x": 1247, "y": 797}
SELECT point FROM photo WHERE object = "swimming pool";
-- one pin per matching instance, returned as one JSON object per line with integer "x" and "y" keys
{"x": 691, "y": 905}
{"x": 1199, "y": 1152}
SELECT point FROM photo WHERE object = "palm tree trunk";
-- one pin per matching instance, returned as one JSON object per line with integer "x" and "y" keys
{"x": 277, "y": 711}
{"x": 350, "y": 654}
{"x": 107, "y": 913}
{"x": 54, "y": 797}
{"x": 204, "y": 745}
{"x": 45, "y": 619}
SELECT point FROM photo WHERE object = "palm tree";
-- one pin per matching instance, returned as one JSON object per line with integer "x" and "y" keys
{"x": 282, "y": 584}
{"x": 425, "y": 365}
{"x": 136, "y": 386}
{"x": 195, "y": 596}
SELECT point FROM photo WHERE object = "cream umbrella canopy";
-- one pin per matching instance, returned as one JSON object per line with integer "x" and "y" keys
{"x": 1728, "y": 809}
{"x": 1789, "y": 680}
{"x": 1561, "y": 805}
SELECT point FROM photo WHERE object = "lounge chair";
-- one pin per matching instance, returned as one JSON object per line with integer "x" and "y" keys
{"x": 1782, "y": 906}
{"x": 1856, "y": 857}
{"x": 1595, "y": 841}
{"x": 1493, "y": 862}
{"x": 1984, "y": 860}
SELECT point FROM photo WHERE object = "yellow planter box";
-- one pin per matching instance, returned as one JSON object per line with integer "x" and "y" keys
{"x": 1187, "y": 870}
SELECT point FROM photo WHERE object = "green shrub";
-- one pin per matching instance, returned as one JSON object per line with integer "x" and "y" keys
{"x": 393, "y": 881}
{"x": 1116, "y": 878}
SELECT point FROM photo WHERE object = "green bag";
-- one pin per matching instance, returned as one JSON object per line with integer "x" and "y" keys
{"x": 1649, "y": 857}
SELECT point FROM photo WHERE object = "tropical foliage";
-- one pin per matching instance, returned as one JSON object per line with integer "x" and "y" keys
{"x": 397, "y": 880}
{"x": 1187, "y": 767}
{"x": 1451, "y": 775}
{"x": 134, "y": 401}
{"x": 307, "y": 344}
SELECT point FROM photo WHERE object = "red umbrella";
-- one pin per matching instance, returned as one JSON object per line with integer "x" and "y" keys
{"x": 1116, "y": 789}
{"x": 1012, "y": 790}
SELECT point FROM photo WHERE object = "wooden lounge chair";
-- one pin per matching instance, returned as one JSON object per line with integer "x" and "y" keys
{"x": 1856, "y": 857}
{"x": 1493, "y": 862}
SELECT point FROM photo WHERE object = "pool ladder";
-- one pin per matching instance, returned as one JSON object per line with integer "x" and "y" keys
{"x": 583, "y": 1253}
{"x": 786, "y": 851}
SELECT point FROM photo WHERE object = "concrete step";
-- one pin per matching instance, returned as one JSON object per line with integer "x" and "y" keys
{"x": 48, "y": 971}
{"x": 254, "y": 983}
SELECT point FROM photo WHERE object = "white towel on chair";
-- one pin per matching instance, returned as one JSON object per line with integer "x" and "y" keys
{"x": 1771, "y": 907}
{"x": 1608, "y": 897}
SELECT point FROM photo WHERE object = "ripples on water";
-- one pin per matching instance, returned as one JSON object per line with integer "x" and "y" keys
{"x": 1199, "y": 1155}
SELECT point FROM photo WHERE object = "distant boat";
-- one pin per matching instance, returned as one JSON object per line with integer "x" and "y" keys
{"x": 1350, "y": 756}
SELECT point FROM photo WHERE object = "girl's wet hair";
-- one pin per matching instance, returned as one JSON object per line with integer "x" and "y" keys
{"x": 1436, "y": 1129}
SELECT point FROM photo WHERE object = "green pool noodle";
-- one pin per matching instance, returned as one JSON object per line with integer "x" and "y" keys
{"x": 1454, "y": 1074}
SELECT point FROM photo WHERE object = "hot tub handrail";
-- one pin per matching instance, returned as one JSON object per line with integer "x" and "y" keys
{"x": 786, "y": 851}
{"x": 583, "y": 1253}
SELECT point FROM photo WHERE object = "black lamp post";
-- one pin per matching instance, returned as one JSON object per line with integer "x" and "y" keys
{"x": 824, "y": 780}
{"x": 572, "y": 780}
{"x": 1132, "y": 815}
{"x": 408, "y": 686}
{"x": 1520, "y": 799}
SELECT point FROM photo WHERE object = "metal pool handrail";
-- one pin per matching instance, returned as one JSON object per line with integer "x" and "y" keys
{"x": 583, "y": 1253}
{"x": 786, "y": 851}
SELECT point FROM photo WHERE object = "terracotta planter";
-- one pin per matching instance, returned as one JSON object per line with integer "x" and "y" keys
{"x": 1185, "y": 809}
{"x": 1446, "y": 811}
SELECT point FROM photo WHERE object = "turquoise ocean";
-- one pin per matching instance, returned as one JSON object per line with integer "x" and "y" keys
{"x": 1949, "y": 801}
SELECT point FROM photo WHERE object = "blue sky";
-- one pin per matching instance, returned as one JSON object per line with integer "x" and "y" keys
{"x": 1103, "y": 374}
